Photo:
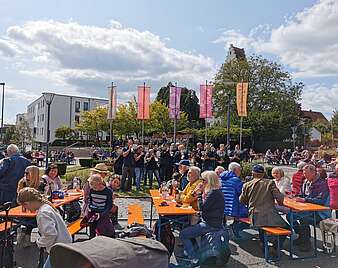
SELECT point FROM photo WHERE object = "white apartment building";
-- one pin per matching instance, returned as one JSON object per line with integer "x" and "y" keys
{"x": 65, "y": 110}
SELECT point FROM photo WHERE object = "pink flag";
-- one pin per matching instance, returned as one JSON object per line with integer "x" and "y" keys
{"x": 143, "y": 102}
{"x": 174, "y": 102}
{"x": 112, "y": 104}
{"x": 206, "y": 101}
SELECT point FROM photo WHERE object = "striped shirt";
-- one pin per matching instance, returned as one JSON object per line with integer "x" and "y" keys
{"x": 100, "y": 201}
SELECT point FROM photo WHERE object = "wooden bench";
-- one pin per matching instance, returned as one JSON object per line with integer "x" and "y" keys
{"x": 270, "y": 231}
{"x": 74, "y": 228}
{"x": 135, "y": 215}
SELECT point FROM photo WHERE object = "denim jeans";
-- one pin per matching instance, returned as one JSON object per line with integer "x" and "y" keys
{"x": 47, "y": 263}
{"x": 138, "y": 174}
{"x": 190, "y": 233}
{"x": 151, "y": 174}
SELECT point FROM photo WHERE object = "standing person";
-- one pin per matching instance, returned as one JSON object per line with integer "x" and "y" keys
{"x": 100, "y": 205}
{"x": 283, "y": 183}
{"x": 222, "y": 157}
{"x": 209, "y": 158}
{"x": 118, "y": 160}
{"x": 12, "y": 169}
{"x": 128, "y": 167}
{"x": 152, "y": 168}
{"x": 166, "y": 164}
{"x": 52, "y": 179}
{"x": 139, "y": 166}
{"x": 52, "y": 228}
{"x": 212, "y": 209}
{"x": 298, "y": 178}
{"x": 259, "y": 195}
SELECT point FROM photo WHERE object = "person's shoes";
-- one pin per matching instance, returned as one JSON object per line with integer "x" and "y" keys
{"x": 305, "y": 247}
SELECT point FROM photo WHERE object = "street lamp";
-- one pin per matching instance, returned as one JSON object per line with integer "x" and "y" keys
{"x": 48, "y": 97}
{"x": 2, "y": 109}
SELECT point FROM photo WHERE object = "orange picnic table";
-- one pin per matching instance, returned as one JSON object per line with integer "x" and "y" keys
{"x": 295, "y": 206}
{"x": 17, "y": 212}
{"x": 170, "y": 211}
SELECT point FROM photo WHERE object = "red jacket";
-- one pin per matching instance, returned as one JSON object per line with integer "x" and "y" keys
{"x": 297, "y": 182}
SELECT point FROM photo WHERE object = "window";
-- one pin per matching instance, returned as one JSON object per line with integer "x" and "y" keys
{"x": 42, "y": 131}
{"x": 86, "y": 106}
{"x": 42, "y": 117}
{"x": 77, "y": 106}
{"x": 77, "y": 119}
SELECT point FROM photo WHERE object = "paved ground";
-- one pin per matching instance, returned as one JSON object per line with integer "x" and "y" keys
{"x": 246, "y": 253}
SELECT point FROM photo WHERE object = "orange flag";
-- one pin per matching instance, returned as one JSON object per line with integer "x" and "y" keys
{"x": 242, "y": 98}
{"x": 143, "y": 102}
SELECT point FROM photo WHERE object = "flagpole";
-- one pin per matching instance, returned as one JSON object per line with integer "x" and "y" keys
{"x": 111, "y": 119}
{"x": 144, "y": 93}
{"x": 206, "y": 112}
{"x": 175, "y": 116}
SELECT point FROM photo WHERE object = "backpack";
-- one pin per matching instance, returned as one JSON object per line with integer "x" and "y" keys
{"x": 167, "y": 236}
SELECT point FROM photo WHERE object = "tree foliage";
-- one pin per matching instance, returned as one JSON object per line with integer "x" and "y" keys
{"x": 273, "y": 98}
{"x": 64, "y": 132}
{"x": 335, "y": 120}
{"x": 20, "y": 134}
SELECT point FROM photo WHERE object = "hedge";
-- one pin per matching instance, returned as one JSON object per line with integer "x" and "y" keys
{"x": 86, "y": 162}
{"x": 62, "y": 167}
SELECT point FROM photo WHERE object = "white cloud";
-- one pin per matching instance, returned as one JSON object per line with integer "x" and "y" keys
{"x": 320, "y": 98}
{"x": 88, "y": 57}
{"x": 307, "y": 42}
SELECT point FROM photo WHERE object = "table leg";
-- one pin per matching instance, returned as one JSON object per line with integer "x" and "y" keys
{"x": 159, "y": 228}
{"x": 315, "y": 233}
{"x": 292, "y": 234}
{"x": 151, "y": 213}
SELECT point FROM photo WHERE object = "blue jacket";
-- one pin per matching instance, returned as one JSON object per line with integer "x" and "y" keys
{"x": 12, "y": 169}
{"x": 232, "y": 188}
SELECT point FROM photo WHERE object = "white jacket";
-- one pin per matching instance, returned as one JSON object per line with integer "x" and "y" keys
{"x": 51, "y": 227}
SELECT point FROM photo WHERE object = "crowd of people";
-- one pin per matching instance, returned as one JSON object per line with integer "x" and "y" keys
{"x": 207, "y": 179}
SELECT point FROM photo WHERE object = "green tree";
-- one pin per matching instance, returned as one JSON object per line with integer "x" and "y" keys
{"x": 64, "y": 132}
{"x": 9, "y": 135}
{"x": 189, "y": 102}
{"x": 94, "y": 123}
{"x": 23, "y": 134}
{"x": 273, "y": 98}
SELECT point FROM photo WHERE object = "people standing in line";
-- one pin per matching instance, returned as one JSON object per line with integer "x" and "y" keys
{"x": 12, "y": 169}
{"x": 128, "y": 167}
{"x": 52, "y": 228}
{"x": 139, "y": 166}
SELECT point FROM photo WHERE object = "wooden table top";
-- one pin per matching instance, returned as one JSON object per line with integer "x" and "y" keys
{"x": 171, "y": 209}
{"x": 299, "y": 206}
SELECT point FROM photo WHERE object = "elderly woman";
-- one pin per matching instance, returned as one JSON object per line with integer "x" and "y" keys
{"x": 283, "y": 183}
{"x": 52, "y": 179}
{"x": 212, "y": 210}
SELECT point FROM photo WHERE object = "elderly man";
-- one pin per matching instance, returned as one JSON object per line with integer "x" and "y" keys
{"x": 12, "y": 169}
{"x": 314, "y": 190}
{"x": 188, "y": 195}
{"x": 183, "y": 168}
{"x": 260, "y": 195}
{"x": 298, "y": 178}
{"x": 232, "y": 188}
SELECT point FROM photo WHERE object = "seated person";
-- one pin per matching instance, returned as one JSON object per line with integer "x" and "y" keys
{"x": 260, "y": 195}
{"x": 114, "y": 186}
{"x": 314, "y": 190}
{"x": 298, "y": 178}
{"x": 212, "y": 209}
{"x": 283, "y": 183}
{"x": 99, "y": 207}
{"x": 335, "y": 173}
{"x": 189, "y": 195}
{"x": 232, "y": 189}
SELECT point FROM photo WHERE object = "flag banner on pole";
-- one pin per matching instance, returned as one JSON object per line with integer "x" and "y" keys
{"x": 112, "y": 104}
{"x": 242, "y": 98}
{"x": 174, "y": 102}
{"x": 143, "y": 102}
{"x": 206, "y": 101}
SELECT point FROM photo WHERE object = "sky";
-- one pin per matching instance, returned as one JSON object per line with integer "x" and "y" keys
{"x": 80, "y": 47}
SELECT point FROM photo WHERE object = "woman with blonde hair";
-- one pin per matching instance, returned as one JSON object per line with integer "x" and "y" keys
{"x": 32, "y": 179}
{"x": 52, "y": 228}
{"x": 212, "y": 210}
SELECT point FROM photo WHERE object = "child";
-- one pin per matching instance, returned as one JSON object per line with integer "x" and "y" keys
{"x": 51, "y": 226}
{"x": 114, "y": 186}
{"x": 100, "y": 204}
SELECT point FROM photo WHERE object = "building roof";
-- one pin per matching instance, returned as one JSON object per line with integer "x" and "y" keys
{"x": 313, "y": 116}
{"x": 236, "y": 53}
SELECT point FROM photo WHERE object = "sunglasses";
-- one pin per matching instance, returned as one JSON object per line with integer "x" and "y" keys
{"x": 26, "y": 173}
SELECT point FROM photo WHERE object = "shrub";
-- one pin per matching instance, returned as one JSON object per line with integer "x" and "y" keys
{"x": 95, "y": 162}
{"x": 83, "y": 174}
{"x": 86, "y": 162}
{"x": 62, "y": 167}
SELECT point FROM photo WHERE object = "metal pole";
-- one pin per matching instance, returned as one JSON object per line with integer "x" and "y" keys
{"x": 48, "y": 134}
{"x": 240, "y": 134}
{"x": 144, "y": 93}
{"x": 175, "y": 116}
{"x": 111, "y": 119}
{"x": 206, "y": 111}
{"x": 228, "y": 123}
{"x": 2, "y": 111}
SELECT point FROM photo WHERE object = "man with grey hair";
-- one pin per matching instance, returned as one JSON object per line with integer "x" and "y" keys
{"x": 12, "y": 169}
{"x": 314, "y": 190}
{"x": 298, "y": 178}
